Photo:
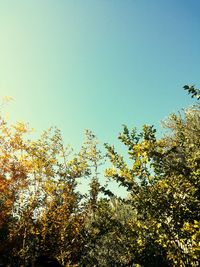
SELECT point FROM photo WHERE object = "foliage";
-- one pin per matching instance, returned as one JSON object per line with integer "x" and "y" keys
{"x": 40, "y": 207}
{"x": 108, "y": 235}
{"x": 163, "y": 182}
{"x": 43, "y": 214}
{"x": 192, "y": 90}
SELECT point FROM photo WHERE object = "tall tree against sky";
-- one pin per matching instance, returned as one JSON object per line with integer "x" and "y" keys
{"x": 163, "y": 180}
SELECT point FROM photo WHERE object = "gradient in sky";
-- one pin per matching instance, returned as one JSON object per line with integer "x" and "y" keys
{"x": 97, "y": 64}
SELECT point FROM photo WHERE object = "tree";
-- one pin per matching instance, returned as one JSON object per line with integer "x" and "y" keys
{"x": 163, "y": 181}
{"x": 13, "y": 174}
{"x": 41, "y": 210}
{"x": 194, "y": 92}
{"x": 44, "y": 216}
{"x": 49, "y": 212}
{"x": 108, "y": 235}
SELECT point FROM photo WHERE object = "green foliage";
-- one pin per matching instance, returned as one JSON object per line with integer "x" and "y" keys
{"x": 43, "y": 213}
{"x": 108, "y": 235}
{"x": 163, "y": 182}
{"x": 194, "y": 92}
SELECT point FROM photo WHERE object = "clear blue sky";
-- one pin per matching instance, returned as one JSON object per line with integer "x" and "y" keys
{"x": 97, "y": 64}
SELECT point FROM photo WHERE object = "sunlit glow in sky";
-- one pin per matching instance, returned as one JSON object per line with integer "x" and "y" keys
{"x": 97, "y": 64}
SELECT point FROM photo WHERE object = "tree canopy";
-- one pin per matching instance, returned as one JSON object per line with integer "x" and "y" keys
{"x": 44, "y": 215}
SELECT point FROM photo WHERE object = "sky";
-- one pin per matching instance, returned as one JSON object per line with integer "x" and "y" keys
{"x": 97, "y": 64}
